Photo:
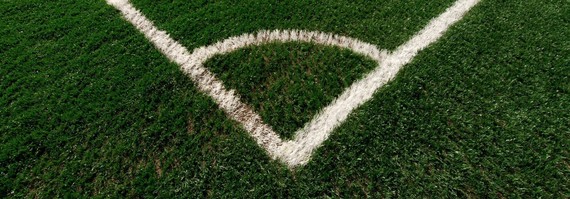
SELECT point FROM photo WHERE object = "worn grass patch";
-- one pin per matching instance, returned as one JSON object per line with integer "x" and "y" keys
{"x": 288, "y": 83}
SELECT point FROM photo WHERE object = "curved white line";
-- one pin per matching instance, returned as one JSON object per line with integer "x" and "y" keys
{"x": 297, "y": 151}
{"x": 202, "y": 54}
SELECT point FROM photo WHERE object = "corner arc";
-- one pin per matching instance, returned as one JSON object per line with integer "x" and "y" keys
{"x": 202, "y": 54}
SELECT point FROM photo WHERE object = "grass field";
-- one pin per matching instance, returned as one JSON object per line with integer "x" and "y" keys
{"x": 89, "y": 107}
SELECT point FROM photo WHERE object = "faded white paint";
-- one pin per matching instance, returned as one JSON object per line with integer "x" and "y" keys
{"x": 298, "y": 150}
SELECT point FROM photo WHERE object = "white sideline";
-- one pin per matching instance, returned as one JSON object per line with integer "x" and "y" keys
{"x": 297, "y": 151}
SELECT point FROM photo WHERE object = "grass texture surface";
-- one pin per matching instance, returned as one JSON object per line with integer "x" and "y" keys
{"x": 88, "y": 107}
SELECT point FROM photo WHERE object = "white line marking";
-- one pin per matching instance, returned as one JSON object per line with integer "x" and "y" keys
{"x": 297, "y": 151}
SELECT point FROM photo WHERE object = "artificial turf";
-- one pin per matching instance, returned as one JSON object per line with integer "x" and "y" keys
{"x": 90, "y": 108}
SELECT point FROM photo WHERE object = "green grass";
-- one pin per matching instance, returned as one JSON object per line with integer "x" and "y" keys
{"x": 89, "y": 108}
{"x": 288, "y": 83}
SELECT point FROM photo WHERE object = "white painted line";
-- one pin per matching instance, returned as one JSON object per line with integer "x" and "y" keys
{"x": 297, "y": 151}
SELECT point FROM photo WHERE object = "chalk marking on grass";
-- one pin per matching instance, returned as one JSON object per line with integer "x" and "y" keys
{"x": 297, "y": 151}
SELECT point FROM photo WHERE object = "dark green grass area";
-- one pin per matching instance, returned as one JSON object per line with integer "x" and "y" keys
{"x": 89, "y": 108}
{"x": 288, "y": 83}
{"x": 387, "y": 24}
